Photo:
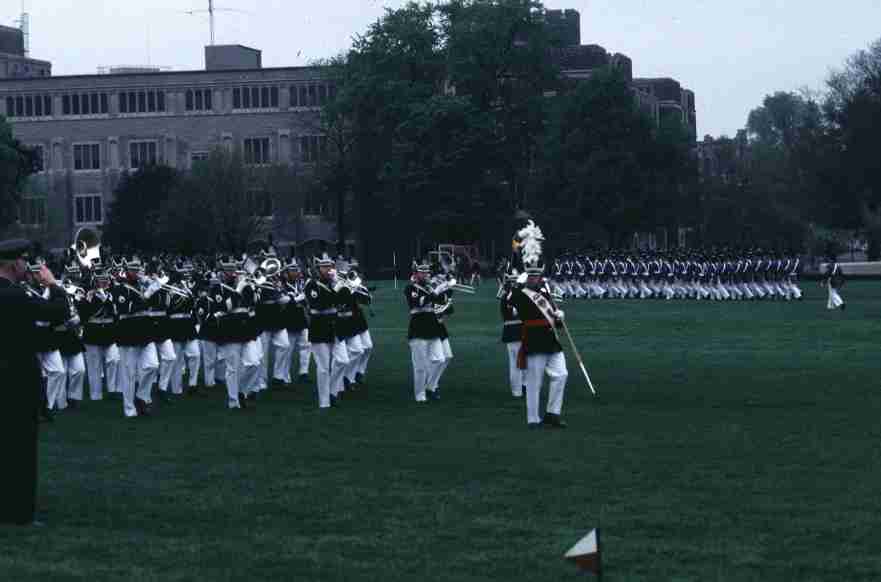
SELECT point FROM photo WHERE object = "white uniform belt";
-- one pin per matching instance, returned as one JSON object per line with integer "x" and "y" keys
{"x": 101, "y": 320}
{"x": 514, "y": 322}
{"x": 240, "y": 310}
{"x": 59, "y": 328}
{"x": 157, "y": 313}
{"x": 345, "y": 314}
{"x": 180, "y": 316}
{"x": 416, "y": 310}
{"x": 131, "y": 315}
{"x": 42, "y": 324}
{"x": 270, "y": 302}
{"x": 322, "y": 311}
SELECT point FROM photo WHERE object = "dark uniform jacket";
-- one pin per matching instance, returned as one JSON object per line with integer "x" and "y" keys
{"x": 135, "y": 326}
{"x": 359, "y": 321}
{"x": 235, "y": 313}
{"x": 270, "y": 310}
{"x": 209, "y": 325}
{"x": 538, "y": 335}
{"x": 181, "y": 321}
{"x": 512, "y": 325}
{"x": 44, "y": 334}
{"x": 99, "y": 319}
{"x": 322, "y": 312}
{"x": 22, "y": 386}
{"x": 294, "y": 313}
{"x": 345, "y": 324}
{"x": 423, "y": 321}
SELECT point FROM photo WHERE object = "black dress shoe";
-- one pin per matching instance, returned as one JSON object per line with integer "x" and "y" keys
{"x": 433, "y": 394}
{"x": 46, "y": 415}
{"x": 165, "y": 397}
{"x": 533, "y": 425}
{"x": 334, "y": 400}
{"x": 359, "y": 378}
{"x": 304, "y": 378}
{"x": 243, "y": 401}
{"x": 252, "y": 397}
{"x": 73, "y": 404}
{"x": 553, "y": 421}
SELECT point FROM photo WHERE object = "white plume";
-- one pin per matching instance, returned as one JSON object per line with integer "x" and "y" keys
{"x": 530, "y": 247}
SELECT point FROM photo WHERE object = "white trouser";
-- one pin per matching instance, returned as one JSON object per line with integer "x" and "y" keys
{"x": 515, "y": 374}
{"x": 210, "y": 359}
{"x": 835, "y": 301}
{"x": 323, "y": 355}
{"x": 187, "y": 354}
{"x": 356, "y": 350}
{"x": 367, "y": 344}
{"x": 426, "y": 356}
{"x": 537, "y": 365}
{"x": 338, "y": 366}
{"x": 139, "y": 368}
{"x": 102, "y": 363}
{"x": 52, "y": 366}
{"x": 298, "y": 343}
{"x": 75, "y": 366}
{"x": 167, "y": 358}
{"x": 447, "y": 352}
{"x": 242, "y": 361}
{"x": 282, "y": 352}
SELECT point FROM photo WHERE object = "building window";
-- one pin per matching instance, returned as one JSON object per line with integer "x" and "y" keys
{"x": 257, "y": 150}
{"x": 196, "y": 157}
{"x": 87, "y": 156}
{"x": 141, "y": 101}
{"x": 88, "y": 209}
{"x": 78, "y": 104}
{"x": 313, "y": 148}
{"x": 10, "y": 107}
{"x": 86, "y": 108}
{"x": 142, "y": 153}
{"x": 32, "y": 210}
{"x": 254, "y": 97}
{"x": 198, "y": 100}
{"x": 260, "y": 203}
{"x": 19, "y": 106}
{"x": 38, "y": 106}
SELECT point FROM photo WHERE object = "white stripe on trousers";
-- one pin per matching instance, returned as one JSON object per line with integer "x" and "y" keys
{"x": 537, "y": 365}
{"x": 75, "y": 366}
{"x": 426, "y": 355}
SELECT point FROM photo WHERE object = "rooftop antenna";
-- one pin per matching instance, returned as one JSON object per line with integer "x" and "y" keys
{"x": 211, "y": 10}
{"x": 24, "y": 24}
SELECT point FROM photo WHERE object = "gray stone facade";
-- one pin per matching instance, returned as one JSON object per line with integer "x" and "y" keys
{"x": 93, "y": 128}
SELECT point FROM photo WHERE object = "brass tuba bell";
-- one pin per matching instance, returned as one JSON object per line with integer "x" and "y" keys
{"x": 87, "y": 247}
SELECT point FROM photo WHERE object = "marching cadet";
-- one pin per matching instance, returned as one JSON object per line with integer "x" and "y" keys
{"x": 182, "y": 328}
{"x": 238, "y": 335}
{"x": 512, "y": 333}
{"x": 161, "y": 328}
{"x": 541, "y": 352}
{"x": 209, "y": 295}
{"x": 98, "y": 314}
{"x": 345, "y": 332}
{"x": 443, "y": 309}
{"x": 271, "y": 326}
{"x": 139, "y": 360}
{"x": 296, "y": 322}
{"x": 362, "y": 297}
{"x": 424, "y": 333}
{"x": 47, "y": 345}
{"x": 834, "y": 280}
{"x": 70, "y": 346}
{"x": 326, "y": 349}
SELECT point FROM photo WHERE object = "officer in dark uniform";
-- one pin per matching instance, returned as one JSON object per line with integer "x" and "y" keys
{"x": 512, "y": 333}
{"x": 22, "y": 382}
{"x": 296, "y": 321}
{"x": 424, "y": 334}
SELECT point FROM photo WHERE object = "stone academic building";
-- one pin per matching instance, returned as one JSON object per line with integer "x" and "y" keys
{"x": 89, "y": 130}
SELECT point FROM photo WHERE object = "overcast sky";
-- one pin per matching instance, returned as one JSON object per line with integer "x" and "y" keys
{"x": 730, "y": 53}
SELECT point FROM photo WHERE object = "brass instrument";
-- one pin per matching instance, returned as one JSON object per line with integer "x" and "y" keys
{"x": 78, "y": 293}
{"x": 87, "y": 247}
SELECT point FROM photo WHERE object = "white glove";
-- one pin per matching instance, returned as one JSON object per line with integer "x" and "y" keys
{"x": 284, "y": 299}
{"x": 559, "y": 315}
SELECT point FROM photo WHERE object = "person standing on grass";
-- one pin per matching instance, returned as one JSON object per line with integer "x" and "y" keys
{"x": 834, "y": 281}
{"x": 424, "y": 334}
{"x": 327, "y": 351}
{"x": 20, "y": 370}
{"x": 540, "y": 352}
{"x": 512, "y": 332}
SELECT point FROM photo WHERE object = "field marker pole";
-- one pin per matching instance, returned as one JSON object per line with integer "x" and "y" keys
{"x": 395, "y": 268}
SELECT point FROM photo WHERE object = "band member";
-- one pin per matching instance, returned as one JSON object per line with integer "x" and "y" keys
{"x": 99, "y": 336}
{"x": 343, "y": 373}
{"x": 209, "y": 295}
{"x": 238, "y": 335}
{"x": 512, "y": 332}
{"x": 160, "y": 327}
{"x": 182, "y": 328}
{"x": 540, "y": 352}
{"x": 834, "y": 281}
{"x": 326, "y": 348}
{"x": 424, "y": 333}
{"x": 296, "y": 321}
{"x": 362, "y": 297}
{"x": 139, "y": 360}
{"x": 273, "y": 333}
{"x": 21, "y": 306}
{"x": 70, "y": 345}
{"x": 443, "y": 309}
{"x": 47, "y": 344}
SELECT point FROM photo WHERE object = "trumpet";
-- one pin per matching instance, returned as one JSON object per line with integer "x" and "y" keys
{"x": 78, "y": 293}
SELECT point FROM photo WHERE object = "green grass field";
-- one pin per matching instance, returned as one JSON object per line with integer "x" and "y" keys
{"x": 736, "y": 441}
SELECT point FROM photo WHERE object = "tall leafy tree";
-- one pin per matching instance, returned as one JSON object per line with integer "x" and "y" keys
{"x": 17, "y": 162}
{"x": 134, "y": 220}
